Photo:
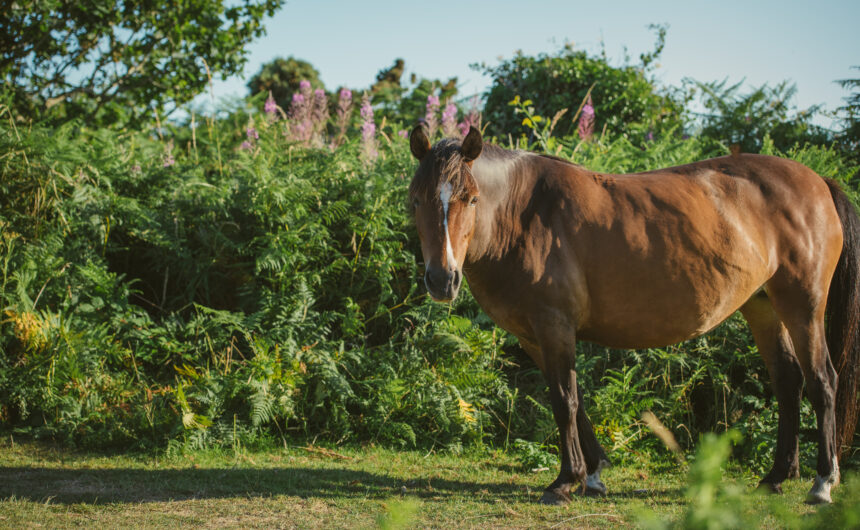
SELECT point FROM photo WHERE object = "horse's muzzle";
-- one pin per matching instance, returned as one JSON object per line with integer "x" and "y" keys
{"x": 442, "y": 284}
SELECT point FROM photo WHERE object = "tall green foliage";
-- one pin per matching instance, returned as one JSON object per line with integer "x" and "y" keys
{"x": 199, "y": 291}
{"x": 745, "y": 119}
{"x": 269, "y": 294}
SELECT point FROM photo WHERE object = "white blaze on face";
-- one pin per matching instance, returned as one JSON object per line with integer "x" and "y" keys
{"x": 445, "y": 191}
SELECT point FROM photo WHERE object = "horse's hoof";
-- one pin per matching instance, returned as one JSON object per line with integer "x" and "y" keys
{"x": 818, "y": 498}
{"x": 594, "y": 487}
{"x": 554, "y": 498}
{"x": 770, "y": 487}
{"x": 595, "y": 492}
{"x": 820, "y": 492}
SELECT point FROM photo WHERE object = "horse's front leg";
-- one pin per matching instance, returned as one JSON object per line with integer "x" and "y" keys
{"x": 595, "y": 455}
{"x": 559, "y": 358}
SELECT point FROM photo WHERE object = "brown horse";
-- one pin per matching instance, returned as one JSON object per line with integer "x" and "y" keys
{"x": 555, "y": 253}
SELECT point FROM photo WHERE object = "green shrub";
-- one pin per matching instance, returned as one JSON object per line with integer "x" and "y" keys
{"x": 627, "y": 101}
{"x": 281, "y": 77}
{"x": 746, "y": 119}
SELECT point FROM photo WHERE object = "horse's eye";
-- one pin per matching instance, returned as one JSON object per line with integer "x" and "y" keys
{"x": 415, "y": 203}
{"x": 474, "y": 201}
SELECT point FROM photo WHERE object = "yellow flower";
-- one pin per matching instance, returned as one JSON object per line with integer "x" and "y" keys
{"x": 29, "y": 328}
{"x": 187, "y": 370}
{"x": 466, "y": 411}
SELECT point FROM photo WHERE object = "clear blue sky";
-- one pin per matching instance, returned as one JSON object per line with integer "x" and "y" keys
{"x": 811, "y": 43}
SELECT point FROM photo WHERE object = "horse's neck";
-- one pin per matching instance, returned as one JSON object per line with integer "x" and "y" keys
{"x": 501, "y": 180}
{"x": 511, "y": 184}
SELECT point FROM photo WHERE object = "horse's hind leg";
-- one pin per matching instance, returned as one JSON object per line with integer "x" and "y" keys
{"x": 821, "y": 383}
{"x": 774, "y": 345}
{"x": 803, "y": 315}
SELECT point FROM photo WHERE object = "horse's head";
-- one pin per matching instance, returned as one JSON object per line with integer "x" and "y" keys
{"x": 443, "y": 195}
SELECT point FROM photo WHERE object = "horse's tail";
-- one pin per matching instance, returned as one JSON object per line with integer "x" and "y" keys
{"x": 843, "y": 320}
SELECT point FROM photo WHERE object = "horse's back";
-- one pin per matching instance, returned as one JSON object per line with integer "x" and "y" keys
{"x": 669, "y": 254}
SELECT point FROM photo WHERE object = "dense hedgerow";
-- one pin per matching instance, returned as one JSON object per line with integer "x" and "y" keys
{"x": 259, "y": 294}
{"x": 197, "y": 293}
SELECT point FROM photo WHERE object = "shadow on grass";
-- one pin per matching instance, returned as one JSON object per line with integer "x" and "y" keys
{"x": 105, "y": 486}
{"x": 136, "y": 485}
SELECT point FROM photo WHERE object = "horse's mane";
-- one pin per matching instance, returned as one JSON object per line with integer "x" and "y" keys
{"x": 494, "y": 152}
{"x": 448, "y": 164}
{"x": 559, "y": 159}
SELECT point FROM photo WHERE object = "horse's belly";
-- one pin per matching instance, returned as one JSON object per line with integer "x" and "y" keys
{"x": 680, "y": 282}
{"x": 652, "y": 318}
{"x": 645, "y": 335}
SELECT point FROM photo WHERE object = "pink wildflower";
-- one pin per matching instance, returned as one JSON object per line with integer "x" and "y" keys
{"x": 251, "y": 136}
{"x": 430, "y": 118}
{"x": 472, "y": 119}
{"x": 270, "y": 107}
{"x": 449, "y": 120}
{"x": 301, "y": 130}
{"x": 368, "y": 130}
{"x": 319, "y": 116}
{"x": 403, "y": 133}
{"x": 344, "y": 113}
{"x": 301, "y": 126}
{"x": 586, "y": 120}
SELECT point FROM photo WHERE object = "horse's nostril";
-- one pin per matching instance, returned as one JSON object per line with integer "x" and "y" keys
{"x": 428, "y": 279}
{"x": 441, "y": 283}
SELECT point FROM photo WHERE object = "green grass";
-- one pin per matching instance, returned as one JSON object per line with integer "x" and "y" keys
{"x": 42, "y": 485}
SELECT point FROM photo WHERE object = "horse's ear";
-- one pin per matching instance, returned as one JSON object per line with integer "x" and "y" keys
{"x": 472, "y": 144}
{"x": 418, "y": 142}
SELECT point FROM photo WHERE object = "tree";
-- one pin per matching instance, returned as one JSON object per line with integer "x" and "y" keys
{"x": 745, "y": 119}
{"x": 407, "y": 102}
{"x": 388, "y": 88}
{"x": 281, "y": 77}
{"x": 622, "y": 96}
{"x": 109, "y": 60}
{"x": 413, "y": 104}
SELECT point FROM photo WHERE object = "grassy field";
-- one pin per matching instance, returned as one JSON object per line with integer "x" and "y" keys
{"x": 45, "y": 486}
